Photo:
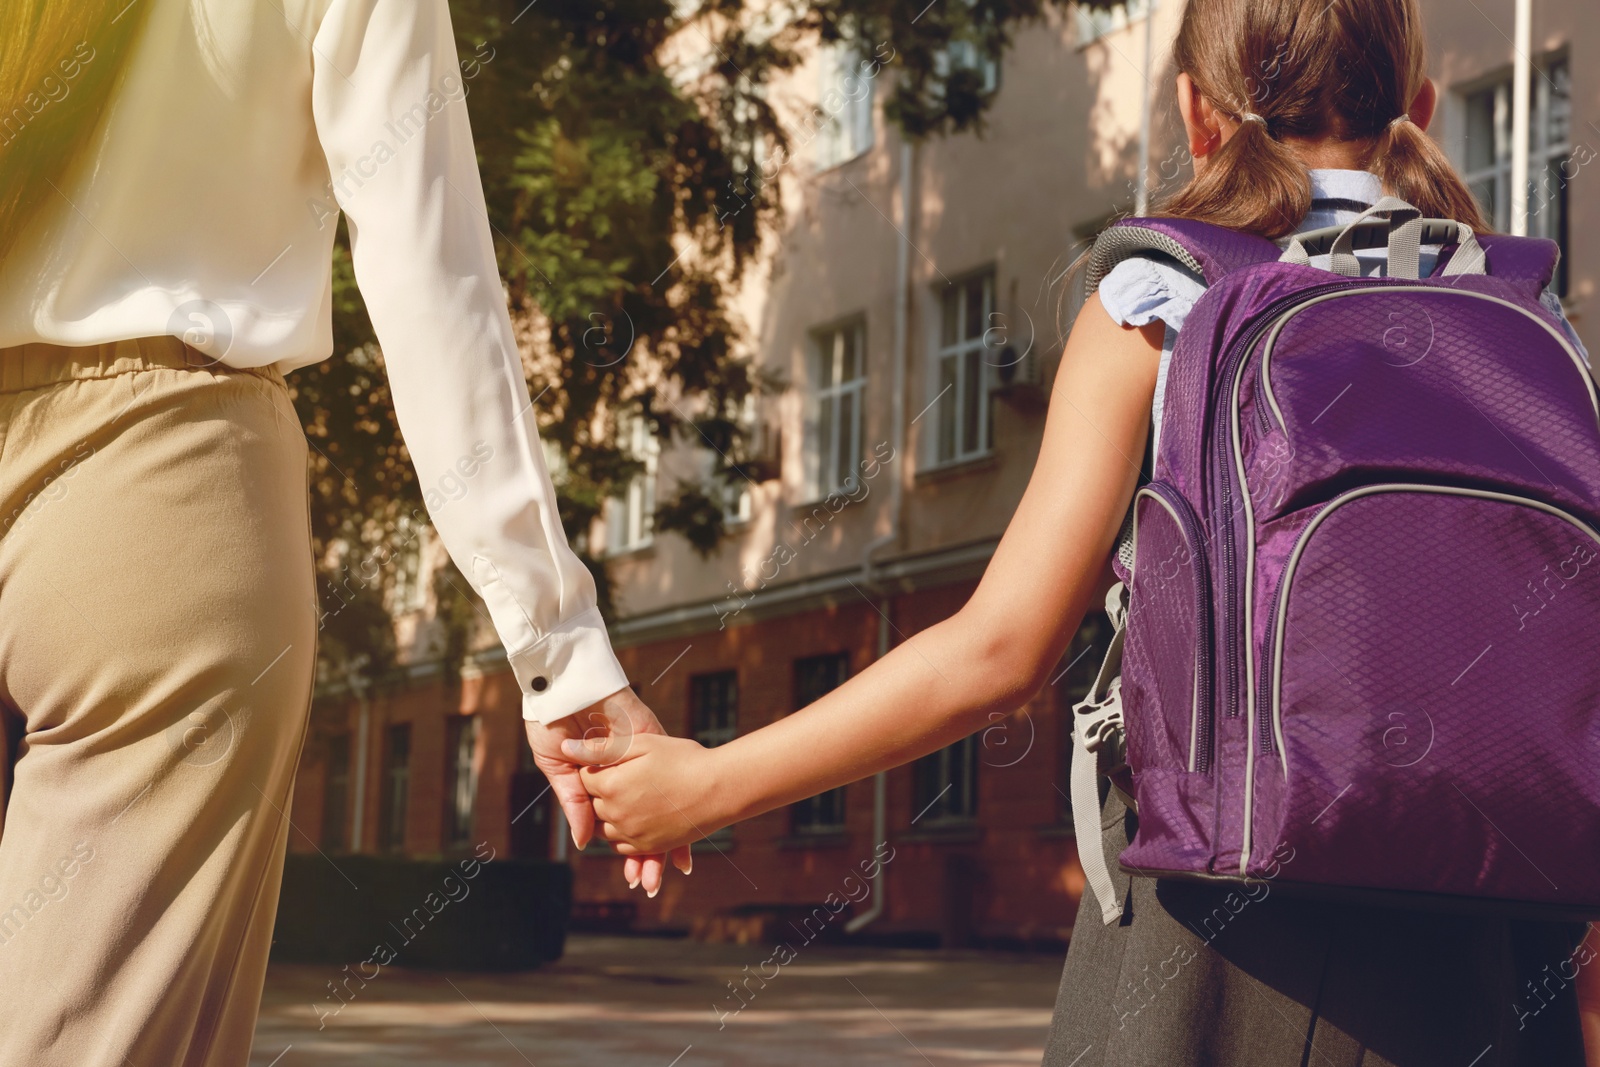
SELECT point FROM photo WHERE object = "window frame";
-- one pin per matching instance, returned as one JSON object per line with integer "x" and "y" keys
{"x": 1090, "y": 26}
{"x": 336, "y": 827}
{"x": 720, "y": 734}
{"x": 632, "y": 512}
{"x": 819, "y": 456}
{"x": 937, "y": 802}
{"x": 951, "y": 416}
{"x": 825, "y": 814}
{"x": 463, "y": 736}
{"x": 394, "y": 808}
{"x": 699, "y": 685}
{"x": 1543, "y": 153}
{"x": 849, "y": 132}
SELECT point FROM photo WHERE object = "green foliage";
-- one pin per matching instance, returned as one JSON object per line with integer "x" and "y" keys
{"x": 694, "y": 514}
{"x": 626, "y": 199}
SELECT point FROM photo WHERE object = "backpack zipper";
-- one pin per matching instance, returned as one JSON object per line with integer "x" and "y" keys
{"x": 1200, "y": 713}
{"x": 1267, "y": 398}
{"x": 1272, "y": 650}
{"x": 1226, "y": 448}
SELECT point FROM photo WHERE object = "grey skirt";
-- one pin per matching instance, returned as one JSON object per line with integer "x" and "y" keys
{"x": 1198, "y": 975}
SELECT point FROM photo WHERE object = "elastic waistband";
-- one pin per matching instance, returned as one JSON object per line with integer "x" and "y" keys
{"x": 34, "y": 366}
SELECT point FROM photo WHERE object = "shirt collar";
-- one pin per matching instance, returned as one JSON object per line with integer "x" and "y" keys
{"x": 1360, "y": 186}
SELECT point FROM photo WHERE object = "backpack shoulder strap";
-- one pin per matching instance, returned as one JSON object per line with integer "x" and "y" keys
{"x": 1210, "y": 251}
{"x": 1521, "y": 259}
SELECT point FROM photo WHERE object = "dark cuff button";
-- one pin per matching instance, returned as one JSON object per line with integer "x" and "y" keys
{"x": 539, "y": 684}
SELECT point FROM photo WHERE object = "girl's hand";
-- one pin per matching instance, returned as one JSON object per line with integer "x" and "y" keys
{"x": 661, "y": 794}
{"x": 605, "y": 729}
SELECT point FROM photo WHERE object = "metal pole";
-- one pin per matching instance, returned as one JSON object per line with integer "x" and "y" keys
{"x": 1141, "y": 196}
{"x": 1521, "y": 78}
{"x": 902, "y": 355}
{"x": 359, "y": 686}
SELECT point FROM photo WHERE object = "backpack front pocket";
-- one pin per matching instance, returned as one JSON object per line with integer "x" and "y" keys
{"x": 1430, "y": 703}
{"x": 1167, "y": 664}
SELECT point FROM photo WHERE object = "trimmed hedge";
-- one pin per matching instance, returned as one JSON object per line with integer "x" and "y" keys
{"x": 478, "y": 913}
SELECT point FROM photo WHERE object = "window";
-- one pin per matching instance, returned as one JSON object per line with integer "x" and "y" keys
{"x": 630, "y": 516}
{"x": 1486, "y": 153}
{"x": 396, "y": 787}
{"x": 960, "y": 402}
{"x": 410, "y": 591}
{"x": 964, "y": 55}
{"x": 837, "y": 375}
{"x": 813, "y": 677}
{"x": 1094, "y": 23}
{"x": 336, "y": 793}
{"x": 714, "y": 719}
{"x": 845, "y": 102}
{"x": 1080, "y": 664}
{"x": 461, "y": 778}
{"x": 531, "y": 808}
{"x": 756, "y": 457}
{"x": 714, "y": 707}
{"x": 946, "y": 785}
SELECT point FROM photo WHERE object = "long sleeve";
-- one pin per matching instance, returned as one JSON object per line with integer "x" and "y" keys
{"x": 389, "y": 102}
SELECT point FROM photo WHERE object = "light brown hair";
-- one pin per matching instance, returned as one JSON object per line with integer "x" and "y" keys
{"x": 59, "y": 62}
{"x": 1310, "y": 69}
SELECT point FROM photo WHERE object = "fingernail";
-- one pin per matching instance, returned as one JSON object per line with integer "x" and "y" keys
{"x": 651, "y": 893}
{"x": 634, "y": 884}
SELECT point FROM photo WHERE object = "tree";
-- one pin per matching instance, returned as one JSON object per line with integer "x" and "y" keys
{"x": 627, "y": 195}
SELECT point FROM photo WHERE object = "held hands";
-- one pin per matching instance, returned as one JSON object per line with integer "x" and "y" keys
{"x": 659, "y": 795}
{"x": 605, "y": 731}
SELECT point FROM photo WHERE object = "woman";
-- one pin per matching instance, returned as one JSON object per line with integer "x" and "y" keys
{"x": 171, "y": 174}
{"x": 1299, "y": 114}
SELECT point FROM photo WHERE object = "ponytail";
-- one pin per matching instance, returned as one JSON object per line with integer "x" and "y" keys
{"x": 1339, "y": 69}
{"x": 1413, "y": 167}
{"x": 1252, "y": 183}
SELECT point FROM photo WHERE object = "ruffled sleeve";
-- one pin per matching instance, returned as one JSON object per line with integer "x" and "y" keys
{"x": 1144, "y": 288}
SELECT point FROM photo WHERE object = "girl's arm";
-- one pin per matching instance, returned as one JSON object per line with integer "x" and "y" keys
{"x": 945, "y": 682}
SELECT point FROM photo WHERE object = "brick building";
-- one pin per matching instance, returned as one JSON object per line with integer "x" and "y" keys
{"x": 912, "y": 301}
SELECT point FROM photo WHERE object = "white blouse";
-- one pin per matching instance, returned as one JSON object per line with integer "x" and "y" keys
{"x": 241, "y": 130}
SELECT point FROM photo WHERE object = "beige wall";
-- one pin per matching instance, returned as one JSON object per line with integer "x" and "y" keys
{"x": 1057, "y": 157}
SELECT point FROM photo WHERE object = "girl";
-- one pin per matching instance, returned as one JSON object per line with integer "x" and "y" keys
{"x": 1299, "y": 114}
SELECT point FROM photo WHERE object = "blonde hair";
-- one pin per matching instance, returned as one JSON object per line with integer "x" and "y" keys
{"x": 1309, "y": 68}
{"x": 59, "y": 64}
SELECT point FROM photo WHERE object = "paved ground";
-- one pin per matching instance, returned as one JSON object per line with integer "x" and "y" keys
{"x": 644, "y": 1002}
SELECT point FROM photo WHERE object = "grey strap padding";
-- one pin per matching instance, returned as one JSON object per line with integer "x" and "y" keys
{"x": 1125, "y": 539}
{"x": 1343, "y": 249}
{"x": 1408, "y": 238}
{"x": 1097, "y": 744}
{"x": 1392, "y": 222}
{"x": 1117, "y": 243}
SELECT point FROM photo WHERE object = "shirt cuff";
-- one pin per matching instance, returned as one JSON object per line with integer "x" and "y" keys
{"x": 568, "y": 669}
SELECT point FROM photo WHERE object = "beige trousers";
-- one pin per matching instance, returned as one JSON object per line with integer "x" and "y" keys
{"x": 157, "y": 643}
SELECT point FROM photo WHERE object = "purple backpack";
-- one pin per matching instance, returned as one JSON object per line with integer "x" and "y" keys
{"x": 1362, "y": 589}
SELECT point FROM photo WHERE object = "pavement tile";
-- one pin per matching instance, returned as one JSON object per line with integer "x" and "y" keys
{"x": 649, "y": 1002}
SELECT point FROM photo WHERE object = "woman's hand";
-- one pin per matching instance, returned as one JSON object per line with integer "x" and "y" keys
{"x": 660, "y": 795}
{"x": 604, "y": 731}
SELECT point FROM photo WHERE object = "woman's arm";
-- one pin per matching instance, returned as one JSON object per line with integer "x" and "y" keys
{"x": 945, "y": 682}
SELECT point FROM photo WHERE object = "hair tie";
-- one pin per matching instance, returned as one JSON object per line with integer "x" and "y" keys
{"x": 1250, "y": 116}
{"x": 1397, "y": 120}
